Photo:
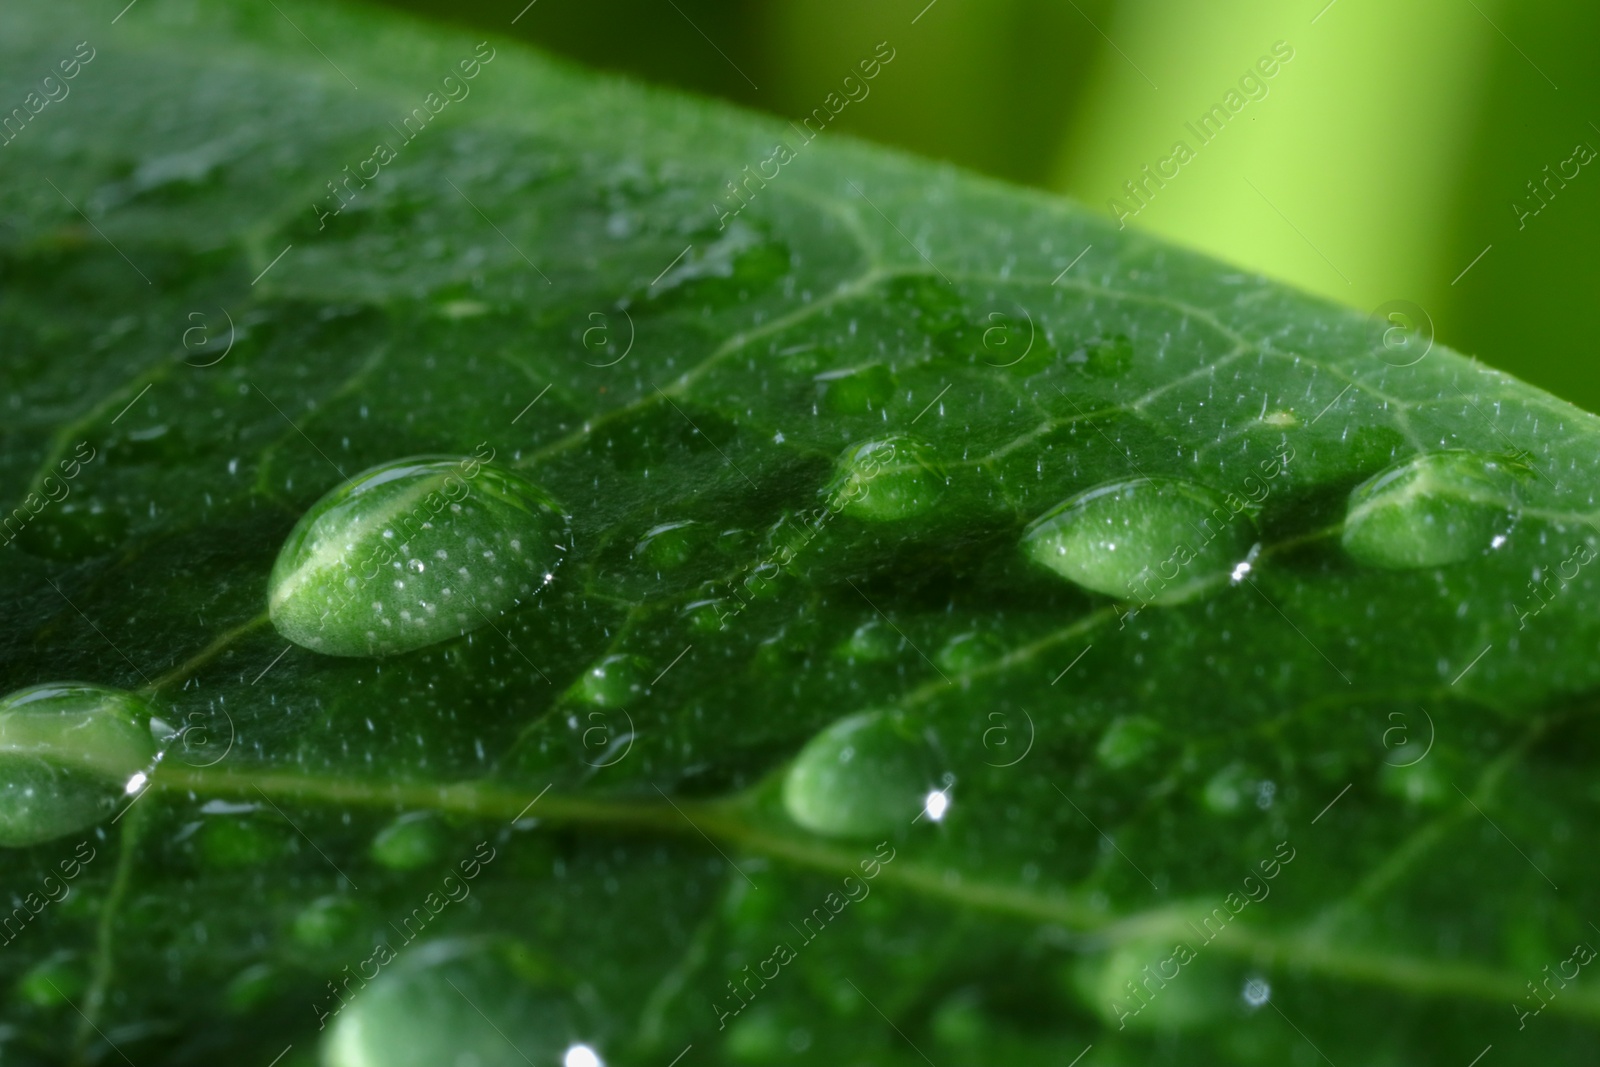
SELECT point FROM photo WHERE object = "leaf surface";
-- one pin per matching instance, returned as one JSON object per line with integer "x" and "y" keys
{"x": 551, "y": 267}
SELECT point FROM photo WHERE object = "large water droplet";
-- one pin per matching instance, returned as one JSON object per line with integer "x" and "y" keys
{"x": 1430, "y": 510}
{"x": 866, "y": 774}
{"x": 1153, "y": 985}
{"x": 346, "y": 582}
{"x": 884, "y": 480}
{"x": 444, "y": 1002}
{"x": 1153, "y": 540}
{"x": 68, "y": 753}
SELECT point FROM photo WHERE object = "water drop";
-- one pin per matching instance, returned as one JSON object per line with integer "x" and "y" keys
{"x": 326, "y": 923}
{"x": 884, "y": 480}
{"x": 68, "y": 752}
{"x": 53, "y": 982}
{"x": 1127, "y": 741}
{"x": 872, "y": 642}
{"x": 866, "y": 774}
{"x": 1152, "y": 540}
{"x": 76, "y": 529}
{"x": 1103, "y": 357}
{"x": 1159, "y": 986}
{"x": 610, "y": 683}
{"x": 1256, "y": 992}
{"x": 1431, "y": 510}
{"x": 1423, "y": 783}
{"x": 969, "y": 651}
{"x": 857, "y": 390}
{"x": 444, "y": 1002}
{"x": 237, "y": 844}
{"x": 347, "y": 581}
{"x": 1227, "y": 791}
{"x": 668, "y": 545}
{"x": 413, "y": 840}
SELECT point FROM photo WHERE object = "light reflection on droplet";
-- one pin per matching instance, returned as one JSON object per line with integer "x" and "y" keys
{"x": 936, "y": 804}
{"x": 581, "y": 1056}
{"x": 135, "y": 783}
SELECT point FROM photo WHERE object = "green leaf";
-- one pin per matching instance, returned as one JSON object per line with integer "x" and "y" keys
{"x": 1309, "y": 797}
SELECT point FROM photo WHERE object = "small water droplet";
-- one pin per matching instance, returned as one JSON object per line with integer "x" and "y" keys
{"x": 413, "y": 840}
{"x": 1228, "y": 789}
{"x": 1127, "y": 741}
{"x": 1152, "y": 540}
{"x": 1431, "y": 510}
{"x": 1103, "y": 357}
{"x": 872, "y": 642}
{"x": 326, "y": 923}
{"x": 866, "y": 774}
{"x": 235, "y": 844}
{"x": 884, "y": 480}
{"x": 1256, "y": 992}
{"x": 669, "y": 545}
{"x": 53, "y": 982}
{"x": 411, "y": 553}
{"x": 610, "y": 683}
{"x": 68, "y": 754}
{"x": 857, "y": 390}
{"x": 969, "y": 651}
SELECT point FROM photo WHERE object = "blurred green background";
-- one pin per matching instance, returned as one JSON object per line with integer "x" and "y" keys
{"x": 1396, "y": 155}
